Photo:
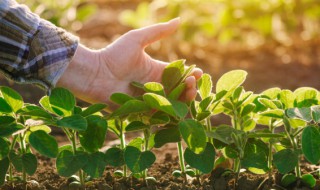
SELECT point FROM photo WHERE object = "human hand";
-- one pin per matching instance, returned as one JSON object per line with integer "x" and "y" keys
{"x": 94, "y": 75}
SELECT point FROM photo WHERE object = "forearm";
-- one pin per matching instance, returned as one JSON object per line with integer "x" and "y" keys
{"x": 32, "y": 50}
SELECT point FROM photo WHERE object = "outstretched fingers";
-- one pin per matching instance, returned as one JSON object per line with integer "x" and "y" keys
{"x": 153, "y": 33}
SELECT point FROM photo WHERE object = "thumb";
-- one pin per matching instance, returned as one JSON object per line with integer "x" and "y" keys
{"x": 150, "y": 34}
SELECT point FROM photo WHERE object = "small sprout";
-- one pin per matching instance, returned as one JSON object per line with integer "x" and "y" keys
{"x": 288, "y": 179}
{"x": 309, "y": 180}
{"x": 118, "y": 173}
{"x": 191, "y": 172}
{"x": 177, "y": 173}
{"x": 73, "y": 178}
{"x": 151, "y": 180}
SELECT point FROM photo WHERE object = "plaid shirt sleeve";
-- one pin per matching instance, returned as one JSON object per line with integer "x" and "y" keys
{"x": 32, "y": 50}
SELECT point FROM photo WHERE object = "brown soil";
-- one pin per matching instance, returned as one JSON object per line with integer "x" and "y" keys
{"x": 166, "y": 163}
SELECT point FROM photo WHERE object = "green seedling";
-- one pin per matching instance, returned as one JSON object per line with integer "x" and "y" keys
{"x": 239, "y": 141}
{"x": 294, "y": 109}
{"x": 86, "y": 130}
{"x": 162, "y": 118}
{"x": 18, "y": 133}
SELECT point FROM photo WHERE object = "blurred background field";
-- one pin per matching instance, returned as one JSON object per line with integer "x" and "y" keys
{"x": 276, "y": 41}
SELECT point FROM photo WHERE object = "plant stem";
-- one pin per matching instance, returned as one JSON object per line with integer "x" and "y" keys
{"x": 123, "y": 146}
{"x": 270, "y": 157}
{"x": 198, "y": 176}
{"x": 297, "y": 169}
{"x": 295, "y": 148}
{"x": 14, "y": 141}
{"x": 208, "y": 121}
{"x": 146, "y": 144}
{"x": 181, "y": 161}
{"x": 237, "y": 170}
{"x": 73, "y": 138}
{"x": 23, "y": 151}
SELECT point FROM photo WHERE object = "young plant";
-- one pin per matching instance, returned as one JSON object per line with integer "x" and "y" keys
{"x": 293, "y": 109}
{"x": 18, "y": 133}
{"x": 86, "y": 131}
{"x": 239, "y": 141}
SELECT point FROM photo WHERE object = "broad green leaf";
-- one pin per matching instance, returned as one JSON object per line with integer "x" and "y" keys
{"x": 311, "y": 144}
{"x": 231, "y": 80}
{"x": 231, "y": 151}
{"x": 205, "y": 103}
{"x": 237, "y": 93}
{"x": 275, "y": 113}
{"x": 4, "y": 150}
{"x": 287, "y": 97}
{"x": 272, "y": 93}
{"x": 177, "y": 91}
{"x": 205, "y": 86}
{"x": 159, "y": 118}
{"x": 44, "y": 143}
{"x": 281, "y": 161}
{"x": 300, "y": 113}
{"x": 309, "y": 180}
{"x": 62, "y": 100}
{"x": 255, "y": 155}
{"x": 68, "y": 163}
{"x": 159, "y": 102}
{"x": 92, "y": 109}
{"x": 16, "y": 161}
{"x": 4, "y": 166}
{"x": 296, "y": 123}
{"x": 114, "y": 127}
{"x": 95, "y": 165}
{"x": 136, "y": 142}
{"x": 222, "y": 133}
{"x": 12, "y": 97}
{"x": 172, "y": 74}
{"x": 168, "y": 135}
{"x": 74, "y": 122}
{"x": 94, "y": 136}
{"x": 154, "y": 87}
{"x": 114, "y": 157}
{"x": 248, "y": 125}
{"x": 180, "y": 108}
{"x": 247, "y": 109}
{"x": 136, "y": 126}
{"x": 29, "y": 163}
{"x": 204, "y": 162}
{"x": 187, "y": 72}
{"x": 4, "y": 106}
{"x": 44, "y": 128}
{"x": 288, "y": 179}
{"x": 138, "y": 161}
{"x": 315, "y": 111}
{"x": 203, "y": 115}
{"x": 306, "y": 97}
{"x": 45, "y": 104}
{"x": 8, "y": 130}
{"x": 267, "y": 103}
{"x": 193, "y": 134}
{"x": 35, "y": 112}
{"x": 120, "y": 98}
{"x": 6, "y": 120}
{"x": 131, "y": 106}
